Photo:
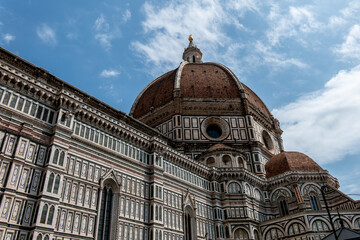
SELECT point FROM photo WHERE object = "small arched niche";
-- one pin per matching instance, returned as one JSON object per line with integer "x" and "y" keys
{"x": 267, "y": 140}
{"x": 210, "y": 162}
{"x": 226, "y": 160}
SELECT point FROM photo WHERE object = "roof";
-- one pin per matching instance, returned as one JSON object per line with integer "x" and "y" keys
{"x": 206, "y": 81}
{"x": 344, "y": 234}
{"x": 290, "y": 161}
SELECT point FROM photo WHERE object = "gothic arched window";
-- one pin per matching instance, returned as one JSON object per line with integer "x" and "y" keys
{"x": 105, "y": 214}
{"x": 56, "y": 155}
{"x": 51, "y": 215}
{"x": 314, "y": 202}
{"x": 44, "y": 213}
{"x": 234, "y": 187}
{"x": 62, "y": 157}
{"x": 50, "y": 182}
{"x": 190, "y": 224}
{"x": 241, "y": 234}
{"x": 57, "y": 183}
{"x": 283, "y": 208}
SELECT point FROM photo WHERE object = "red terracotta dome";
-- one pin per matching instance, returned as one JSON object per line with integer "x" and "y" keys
{"x": 211, "y": 82}
{"x": 290, "y": 161}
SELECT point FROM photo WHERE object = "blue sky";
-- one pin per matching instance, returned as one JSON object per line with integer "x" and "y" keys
{"x": 301, "y": 57}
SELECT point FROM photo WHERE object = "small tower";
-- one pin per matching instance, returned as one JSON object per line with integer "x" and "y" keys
{"x": 192, "y": 54}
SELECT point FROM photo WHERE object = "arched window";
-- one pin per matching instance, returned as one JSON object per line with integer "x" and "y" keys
{"x": 314, "y": 202}
{"x": 258, "y": 195}
{"x": 190, "y": 224}
{"x": 156, "y": 212}
{"x": 39, "y": 237}
{"x": 226, "y": 160}
{"x": 160, "y": 213}
{"x": 46, "y": 237}
{"x": 160, "y": 235}
{"x": 50, "y": 182}
{"x": 44, "y": 213}
{"x": 62, "y": 157}
{"x": 256, "y": 235}
{"x": 357, "y": 223}
{"x": 194, "y": 60}
{"x": 339, "y": 222}
{"x": 283, "y": 207}
{"x": 273, "y": 233}
{"x": 57, "y": 183}
{"x": 51, "y": 215}
{"x": 296, "y": 228}
{"x": 56, "y": 155}
{"x": 241, "y": 234}
{"x": 234, "y": 187}
{"x": 105, "y": 214}
{"x": 319, "y": 226}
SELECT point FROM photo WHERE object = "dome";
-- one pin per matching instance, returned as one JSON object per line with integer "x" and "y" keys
{"x": 210, "y": 82}
{"x": 198, "y": 88}
{"x": 290, "y": 161}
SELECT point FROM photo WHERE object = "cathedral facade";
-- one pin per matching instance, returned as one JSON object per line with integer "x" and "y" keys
{"x": 199, "y": 156}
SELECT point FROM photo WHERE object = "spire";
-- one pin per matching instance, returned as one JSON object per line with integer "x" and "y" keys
{"x": 192, "y": 53}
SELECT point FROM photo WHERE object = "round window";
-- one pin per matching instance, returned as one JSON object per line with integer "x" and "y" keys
{"x": 214, "y": 131}
{"x": 215, "y": 128}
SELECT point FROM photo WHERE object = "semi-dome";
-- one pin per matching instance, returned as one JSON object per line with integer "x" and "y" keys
{"x": 197, "y": 88}
{"x": 290, "y": 161}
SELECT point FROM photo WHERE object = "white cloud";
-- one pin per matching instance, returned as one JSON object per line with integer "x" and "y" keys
{"x": 169, "y": 26}
{"x": 324, "y": 124}
{"x": 273, "y": 58}
{"x": 350, "y": 48}
{"x": 46, "y": 34}
{"x": 7, "y": 38}
{"x": 104, "y": 33}
{"x": 106, "y": 73}
{"x": 292, "y": 24}
{"x": 126, "y": 16}
{"x": 101, "y": 24}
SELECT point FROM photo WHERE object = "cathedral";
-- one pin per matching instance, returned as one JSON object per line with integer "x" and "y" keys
{"x": 199, "y": 156}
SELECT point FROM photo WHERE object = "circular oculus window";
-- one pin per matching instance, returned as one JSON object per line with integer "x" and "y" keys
{"x": 215, "y": 128}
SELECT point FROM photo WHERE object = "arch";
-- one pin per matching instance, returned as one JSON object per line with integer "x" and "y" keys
{"x": 314, "y": 201}
{"x": 210, "y": 161}
{"x": 267, "y": 140}
{"x": 234, "y": 187}
{"x": 256, "y": 235}
{"x": 282, "y": 191}
{"x": 241, "y": 233}
{"x": 258, "y": 195}
{"x": 241, "y": 162}
{"x": 190, "y": 223}
{"x": 319, "y": 225}
{"x": 44, "y": 213}
{"x": 295, "y": 227}
{"x": 337, "y": 223}
{"x": 283, "y": 206}
{"x": 248, "y": 189}
{"x": 51, "y": 215}
{"x": 307, "y": 188}
{"x": 226, "y": 159}
{"x": 356, "y": 223}
{"x": 57, "y": 184}
{"x": 273, "y": 233}
{"x": 56, "y": 156}
{"x": 108, "y": 206}
{"x": 39, "y": 237}
{"x": 50, "y": 182}
{"x": 62, "y": 157}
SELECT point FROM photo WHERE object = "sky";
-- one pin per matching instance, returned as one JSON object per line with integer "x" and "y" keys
{"x": 301, "y": 57}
